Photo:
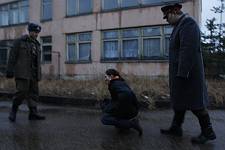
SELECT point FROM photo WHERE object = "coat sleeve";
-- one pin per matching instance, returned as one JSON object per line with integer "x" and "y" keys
{"x": 13, "y": 55}
{"x": 189, "y": 44}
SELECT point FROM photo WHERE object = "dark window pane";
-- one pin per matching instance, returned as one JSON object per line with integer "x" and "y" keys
{"x": 130, "y": 48}
{"x": 151, "y": 31}
{"x": 3, "y": 56}
{"x": 85, "y": 37}
{"x": 151, "y": 1}
{"x": 84, "y": 51}
{"x": 110, "y": 34}
{"x": 167, "y": 42}
{"x": 46, "y": 40}
{"x": 4, "y": 15}
{"x": 130, "y": 33}
{"x": 71, "y": 56}
{"x": 71, "y": 38}
{"x": 14, "y": 13}
{"x": 85, "y": 6}
{"x": 111, "y": 49}
{"x": 129, "y": 3}
{"x": 168, "y": 29}
{"x": 71, "y": 7}
{"x": 47, "y": 58}
{"x": 151, "y": 47}
{"x": 110, "y": 4}
{"x": 47, "y": 9}
{"x": 23, "y": 12}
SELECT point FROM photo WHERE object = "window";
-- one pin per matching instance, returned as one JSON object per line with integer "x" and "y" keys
{"x": 130, "y": 43}
{"x": 3, "y": 56}
{"x": 79, "y": 47}
{"x": 154, "y": 2}
{"x": 110, "y": 44}
{"x": 46, "y": 10}
{"x": 136, "y": 43}
{"x": 115, "y": 4}
{"x": 76, "y": 7}
{"x": 14, "y": 13}
{"x": 167, "y": 31}
{"x": 46, "y": 49}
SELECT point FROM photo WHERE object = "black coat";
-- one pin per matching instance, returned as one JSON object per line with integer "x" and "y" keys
{"x": 20, "y": 58}
{"x": 186, "y": 72}
{"x": 124, "y": 103}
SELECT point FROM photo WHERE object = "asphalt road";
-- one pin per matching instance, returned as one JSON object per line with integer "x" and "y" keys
{"x": 70, "y": 128}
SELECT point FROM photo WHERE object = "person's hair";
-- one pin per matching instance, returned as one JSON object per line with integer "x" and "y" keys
{"x": 113, "y": 72}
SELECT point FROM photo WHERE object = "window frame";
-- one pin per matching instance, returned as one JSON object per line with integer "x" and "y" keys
{"x": 140, "y": 38}
{"x": 77, "y": 9}
{"x": 19, "y": 9}
{"x": 77, "y": 43}
{"x": 43, "y": 44}
{"x": 140, "y": 4}
{"x": 42, "y": 11}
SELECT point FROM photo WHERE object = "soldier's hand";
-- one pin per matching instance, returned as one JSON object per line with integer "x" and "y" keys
{"x": 9, "y": 74}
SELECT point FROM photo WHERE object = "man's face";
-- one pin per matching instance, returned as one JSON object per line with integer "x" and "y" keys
{"x": 34, "y": 34}
{"x": 171, "y": 17}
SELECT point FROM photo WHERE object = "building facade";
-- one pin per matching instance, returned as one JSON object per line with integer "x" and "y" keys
{"x": 83, "y": 38}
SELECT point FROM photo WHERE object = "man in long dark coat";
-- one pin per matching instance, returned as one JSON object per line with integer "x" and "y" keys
{"x": 186, "y": 74}
{"x": 24, "y": 65}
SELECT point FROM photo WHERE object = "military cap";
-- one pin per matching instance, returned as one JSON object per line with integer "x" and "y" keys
{"x": 34, "y": 27}
{"x": 165, "y": 9}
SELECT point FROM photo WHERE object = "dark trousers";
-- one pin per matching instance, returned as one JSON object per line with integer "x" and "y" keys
{"x": 26, "y": 90}
{"x": 202, "y": 115}
{"x": 108, "y": 119}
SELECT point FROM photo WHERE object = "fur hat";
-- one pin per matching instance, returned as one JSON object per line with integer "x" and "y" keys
{"x": 34, "y": 27}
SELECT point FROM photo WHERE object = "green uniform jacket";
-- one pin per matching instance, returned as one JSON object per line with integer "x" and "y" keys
{"x": 20, "y": 58}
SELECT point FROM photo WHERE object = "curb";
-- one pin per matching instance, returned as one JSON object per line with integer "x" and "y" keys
{"x": 59, "y": 101}
{"x": 90, "y": 102}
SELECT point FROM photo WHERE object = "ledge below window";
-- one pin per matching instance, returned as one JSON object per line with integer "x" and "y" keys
{"x": 134, "y": 61}
{"x": 78, "y": 62}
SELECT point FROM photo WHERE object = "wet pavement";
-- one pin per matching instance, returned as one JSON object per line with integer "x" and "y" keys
{"x": 70, "y": 128}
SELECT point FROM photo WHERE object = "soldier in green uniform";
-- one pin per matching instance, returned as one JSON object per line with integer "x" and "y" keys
{"x": 24, "y": 65}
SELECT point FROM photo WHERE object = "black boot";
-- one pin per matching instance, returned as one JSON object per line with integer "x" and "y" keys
{"x": 173, "y": 130}
{"x": 204, "y": 137}
{"x": 33, "y": 115}
{"x": 12, "y": 114}
{"x": 136, "y": 125}
{"x": 207, "y": 132}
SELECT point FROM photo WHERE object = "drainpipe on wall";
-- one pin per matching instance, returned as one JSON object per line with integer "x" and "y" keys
{"x": 58, "y": 54}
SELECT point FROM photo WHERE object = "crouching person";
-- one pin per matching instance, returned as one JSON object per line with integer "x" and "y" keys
{"x": 122, "y": 109}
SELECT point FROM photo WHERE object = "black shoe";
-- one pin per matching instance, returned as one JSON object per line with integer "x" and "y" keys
{"x": 136, "y": 125}
{"x": 12, "y": 116}
{"x": 174, "y": 131}
{"x": 201, "y": 139}
{"x": 36, "y": 117}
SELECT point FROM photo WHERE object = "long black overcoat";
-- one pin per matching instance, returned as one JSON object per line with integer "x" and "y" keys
{"x": 186, "y": 71}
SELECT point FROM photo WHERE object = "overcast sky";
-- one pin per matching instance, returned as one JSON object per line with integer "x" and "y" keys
{"x": 207, "y": 13}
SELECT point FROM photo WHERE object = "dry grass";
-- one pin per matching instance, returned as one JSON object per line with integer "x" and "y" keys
{"x": 146, "y": 88}
{"x": 216, "y": 89}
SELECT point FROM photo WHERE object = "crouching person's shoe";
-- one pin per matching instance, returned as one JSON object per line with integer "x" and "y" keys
{"x": 173, "y": 130}
{"x": 204, "y": 137}
{"x": 136, "y": 125}
{"x": 36, "y": 117}
{"x": 33, "y": 115}
{"x": 12, "y": 116}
